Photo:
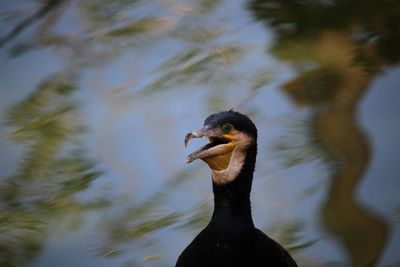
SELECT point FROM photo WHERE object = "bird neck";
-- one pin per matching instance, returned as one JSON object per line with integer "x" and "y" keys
{"x": 232, "y": 200}
{"x": 234, "y": 210}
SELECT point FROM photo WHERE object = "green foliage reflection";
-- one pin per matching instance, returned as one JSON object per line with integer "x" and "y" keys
{"x": 53, "y": 170}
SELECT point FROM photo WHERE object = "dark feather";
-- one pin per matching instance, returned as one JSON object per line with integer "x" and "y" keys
{"x": 230, "y": 239}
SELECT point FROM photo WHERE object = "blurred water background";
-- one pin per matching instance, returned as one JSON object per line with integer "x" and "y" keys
{"x": 96, "y": 97}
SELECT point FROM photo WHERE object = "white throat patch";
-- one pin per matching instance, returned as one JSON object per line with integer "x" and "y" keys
{"x": 242, "y": 142}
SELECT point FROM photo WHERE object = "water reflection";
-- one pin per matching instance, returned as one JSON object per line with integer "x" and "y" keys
{"x": 338, "y": 51}
{"x": 159, "y": 62}
{"x": 51, "y": 173}
{"x": 85, "y": 36}
{"x": 347, "y": 152}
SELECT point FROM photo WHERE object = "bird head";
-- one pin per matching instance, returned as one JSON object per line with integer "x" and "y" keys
{"x": 231, "y": 136}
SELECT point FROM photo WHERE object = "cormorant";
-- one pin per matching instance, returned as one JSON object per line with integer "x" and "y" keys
{"x": 231, "y": 239}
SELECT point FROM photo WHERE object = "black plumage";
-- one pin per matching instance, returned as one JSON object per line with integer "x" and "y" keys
{"x": 231, "y": 239}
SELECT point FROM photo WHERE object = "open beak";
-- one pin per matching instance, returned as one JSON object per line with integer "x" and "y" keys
{"x": 217, "y": 153}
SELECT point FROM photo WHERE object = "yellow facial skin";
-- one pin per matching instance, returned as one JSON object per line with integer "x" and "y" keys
{"x": 226, "y": 156}
{"x": 217, "y": 156}
{"x": 221, "y": 160}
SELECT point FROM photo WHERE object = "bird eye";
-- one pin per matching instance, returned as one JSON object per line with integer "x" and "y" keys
{"x": 227, "y": 128}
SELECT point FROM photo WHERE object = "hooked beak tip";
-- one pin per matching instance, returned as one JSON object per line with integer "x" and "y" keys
{"x": 187, "y": 138}
{"x": 195, "y": 134}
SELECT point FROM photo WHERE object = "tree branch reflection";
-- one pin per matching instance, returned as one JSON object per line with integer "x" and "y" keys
{"x": 337, "y": 52}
